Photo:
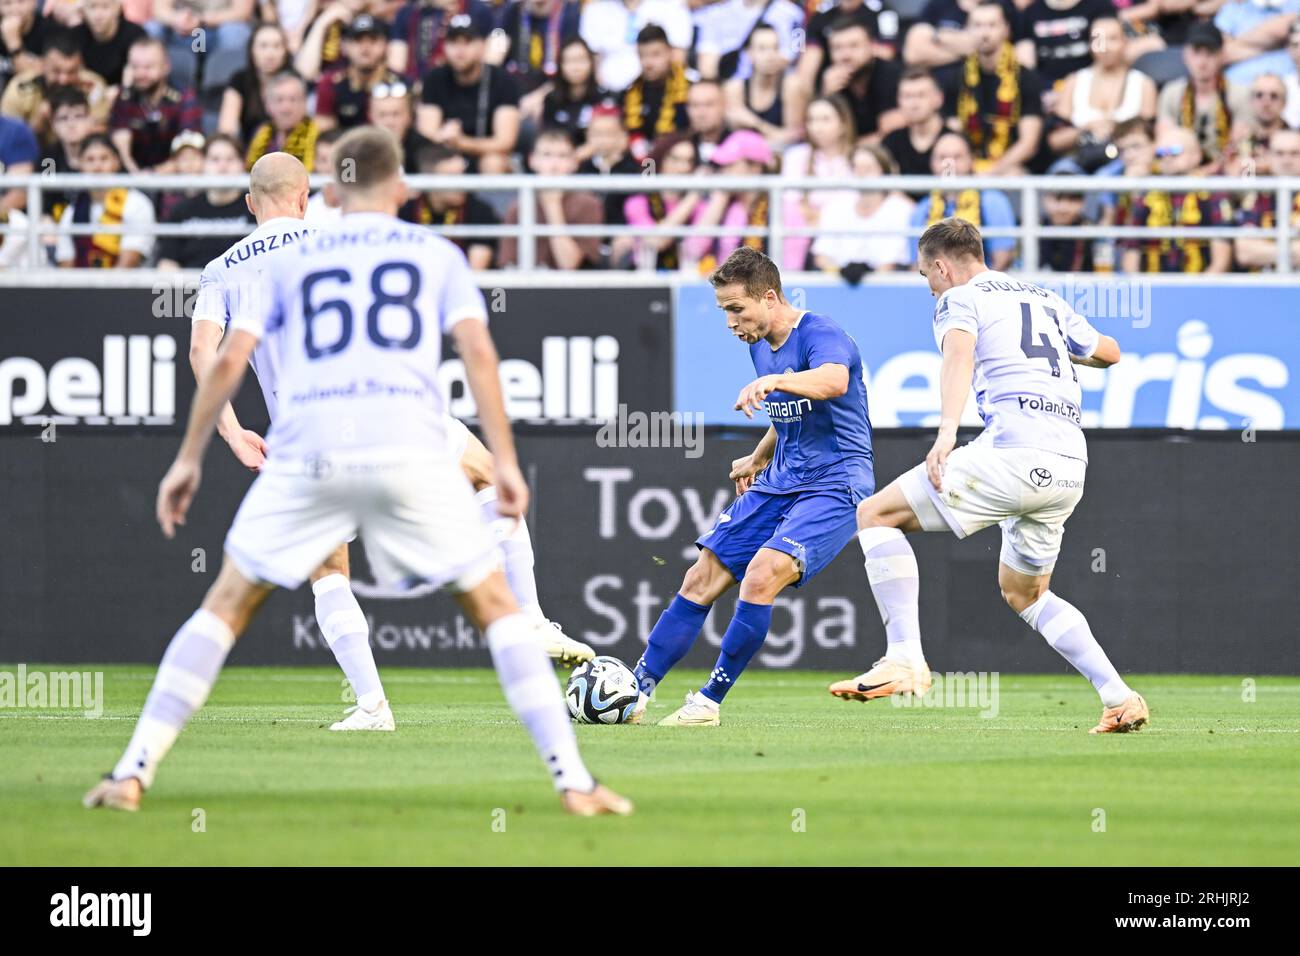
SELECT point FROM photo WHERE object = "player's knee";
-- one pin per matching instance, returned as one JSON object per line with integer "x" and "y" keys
{"x": 705, "y": 580}
{"x": 1019, "y": 596}
{"x": 870, "y": 513}
{"x": 765, "y": 577}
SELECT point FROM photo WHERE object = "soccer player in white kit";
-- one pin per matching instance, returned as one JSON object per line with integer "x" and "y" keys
{"x": 359, "y": 444}
{"x": 277, "y": 198}
{"x": 1025, "y": 471}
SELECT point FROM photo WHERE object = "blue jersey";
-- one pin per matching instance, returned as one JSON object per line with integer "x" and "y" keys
{"x": 822, "y": 444}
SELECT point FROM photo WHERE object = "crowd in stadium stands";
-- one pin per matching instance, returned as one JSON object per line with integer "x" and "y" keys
{"x": 855, "y": 88}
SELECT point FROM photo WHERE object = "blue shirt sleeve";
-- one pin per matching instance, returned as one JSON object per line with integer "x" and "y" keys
{"x": 996, "y": 211}
{"x": 825, "y": 342}
{"x": 18, "y": 144}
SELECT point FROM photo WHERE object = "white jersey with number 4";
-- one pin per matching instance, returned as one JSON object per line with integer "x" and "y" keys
{"x": 359, "y": 309}
{"x": 1025, "y": 384}
{"x": 231, "y": 284}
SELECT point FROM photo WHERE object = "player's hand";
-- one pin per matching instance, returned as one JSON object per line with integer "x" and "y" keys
{"x": 937, "y": 460}
{"x": 512, "y": 491}
{"x": 175, "y": 493}
{"x": 249, "y": 447}
{"x": 751, "y": 396}
{"x": 743, "y": 472}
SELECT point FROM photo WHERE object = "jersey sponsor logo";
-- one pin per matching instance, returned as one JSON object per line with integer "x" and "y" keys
{"x": 1041, "y": 477}
{"x": 134, "y": 383}
{"x": 1070, "y": 483}
{"x": 791, "y": 411}
{"x": 1039, "y": 403}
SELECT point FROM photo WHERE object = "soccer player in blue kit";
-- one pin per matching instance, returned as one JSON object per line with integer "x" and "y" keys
{"x": 796, "y": 493}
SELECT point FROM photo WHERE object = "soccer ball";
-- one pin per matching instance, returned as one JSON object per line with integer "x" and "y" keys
{"x": 601, "y": 691}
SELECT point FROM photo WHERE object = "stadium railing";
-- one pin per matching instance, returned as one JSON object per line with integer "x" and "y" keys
{"x": 1029, "y": 231}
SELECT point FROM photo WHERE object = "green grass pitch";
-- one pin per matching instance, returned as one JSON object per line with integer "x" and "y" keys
{"x": 792, "y": 776}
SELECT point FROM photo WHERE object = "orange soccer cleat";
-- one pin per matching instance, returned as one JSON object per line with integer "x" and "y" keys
{"x": 885, "y": 678}
{"x": 1129, "y": 716}
{"x": 601, "y": 800}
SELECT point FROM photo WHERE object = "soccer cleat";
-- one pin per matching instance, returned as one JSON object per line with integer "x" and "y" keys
{"x": 638, "y": 712}
{"x": 1129, "y": 716}
{"x": 698, "y": 711}
{"x": 561, "y": 648}
{"x": 601, "y": 800}
{"x": 114, "y": 795}
{"x": 358, "y": 718}
{"x": 886, "y": 677}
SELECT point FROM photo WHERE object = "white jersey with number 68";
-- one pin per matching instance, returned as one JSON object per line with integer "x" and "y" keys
{"x": 1025, "y": 384}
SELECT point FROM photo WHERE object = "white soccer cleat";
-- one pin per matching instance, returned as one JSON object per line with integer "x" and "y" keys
{"x": 638, "y": 712}
{"x": 358, "y": 718}
{"x": 698, "y": 711}
{"x": 561, "y": 648}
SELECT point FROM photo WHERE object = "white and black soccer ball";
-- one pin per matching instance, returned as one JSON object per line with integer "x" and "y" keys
{"x": 601, "y": 691}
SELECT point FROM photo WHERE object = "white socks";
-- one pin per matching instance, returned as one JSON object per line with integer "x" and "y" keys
{"x": 516, "y": 551}
{"x": 348, "y": 635}
{"x": 188, "y": 670}
{"x": 1066, "y": 629}
{"x": 896, "y": 585}
{"x": 528, "y": 680}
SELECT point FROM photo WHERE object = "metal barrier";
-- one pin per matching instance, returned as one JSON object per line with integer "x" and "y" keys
{"x": 1029, "y": 232}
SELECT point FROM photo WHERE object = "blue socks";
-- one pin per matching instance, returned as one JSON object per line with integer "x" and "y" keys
{"x": 745, "y": 635}
{"x": 671, "y": 638}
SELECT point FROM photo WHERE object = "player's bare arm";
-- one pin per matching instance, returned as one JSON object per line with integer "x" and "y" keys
{"x": 955, "y": 377}
{"x": 480, "y": 357}
{"x": 248, "y": 446}
{"x": 745, "y": 470}
{"x": 1104, "y": 355}
{"x": 181, "y": 482}
{"x": 826, "y": 381}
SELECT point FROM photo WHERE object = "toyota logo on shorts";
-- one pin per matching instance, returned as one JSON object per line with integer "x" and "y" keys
{"x": 1041, "y": 477}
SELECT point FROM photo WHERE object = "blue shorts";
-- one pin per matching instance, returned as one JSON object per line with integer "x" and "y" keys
{"x": 810, "y": 526}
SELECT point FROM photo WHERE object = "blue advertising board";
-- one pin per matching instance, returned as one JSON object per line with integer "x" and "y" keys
{"x": 1195, "y": 356}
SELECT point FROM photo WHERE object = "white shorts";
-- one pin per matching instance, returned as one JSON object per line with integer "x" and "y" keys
{"x": 417, "y": 519}
{"x": 1029, "y": 493}
{"x": 457, "y": 438}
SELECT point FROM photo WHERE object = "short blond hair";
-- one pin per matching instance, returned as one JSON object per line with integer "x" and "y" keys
{"x": 364, "y": 157}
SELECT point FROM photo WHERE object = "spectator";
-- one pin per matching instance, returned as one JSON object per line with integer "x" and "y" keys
{"x": 871, "y": 210}
{"x": 242, "y": 106}
{"x": 1057, "y": 34}
{"x": 1063, "y": 208}
{"x": 186, "y": 160}
{"x": 27, "y": 95}
{"x": 119, "y": 206}
{"x": 920, "y": 104}
{"x": 1256, "y": 34}
{"x": 150, "y": 113}
{"x": 609, "y": 156}
{"x": 18, "y": 154}
{"x": 288, "y": 128}
{"x": 869, "y": 85}
{"x": 444, "y": 208}
{"x": 1292, "y": 77}
{"x": 13, "y": 246}
{"x": 70, "y": 119}
{"x": 722, "y": 30}
{"x": 23, "y": 34}
{"x": 392, "y": 107}
{"x": 293, "y": 17}
{"x": 706, "y": 110}
{"x": 996, "y": 102}
{"x": 770, "y": 100}
{"x": 105, "y": 37}
{"x": 673, "y": 155}
{"x": 655, "y": 103}
{"x": 222, "y": 156}
{"x": 574, "y": 94}
{"x": 1260, "y": 208}
{"x": 537, "y": 31}
{"x": 943, "y": 35}
{"x": 553, "y": 155}
{"x": 225, "y": 29}
{"x": 325, "y": 205}
{"x": 612, "y": 29}
{"x": 418, "y": 38}
{"x": 321, "y": 51}
{"x": 880, "y": 20}
{"x": 744, "y": 153}
{"x": 468, "y": 105}
{"x": 343, "y": 98}
{"x": 988, "y": 208}
{"x": 826, "y": 155}
{"x": 1205, "y": 102}
{"x": 1177, "y": 153}
{"x": 1093, "y": 100}
{"x": 1252, "y": 132}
